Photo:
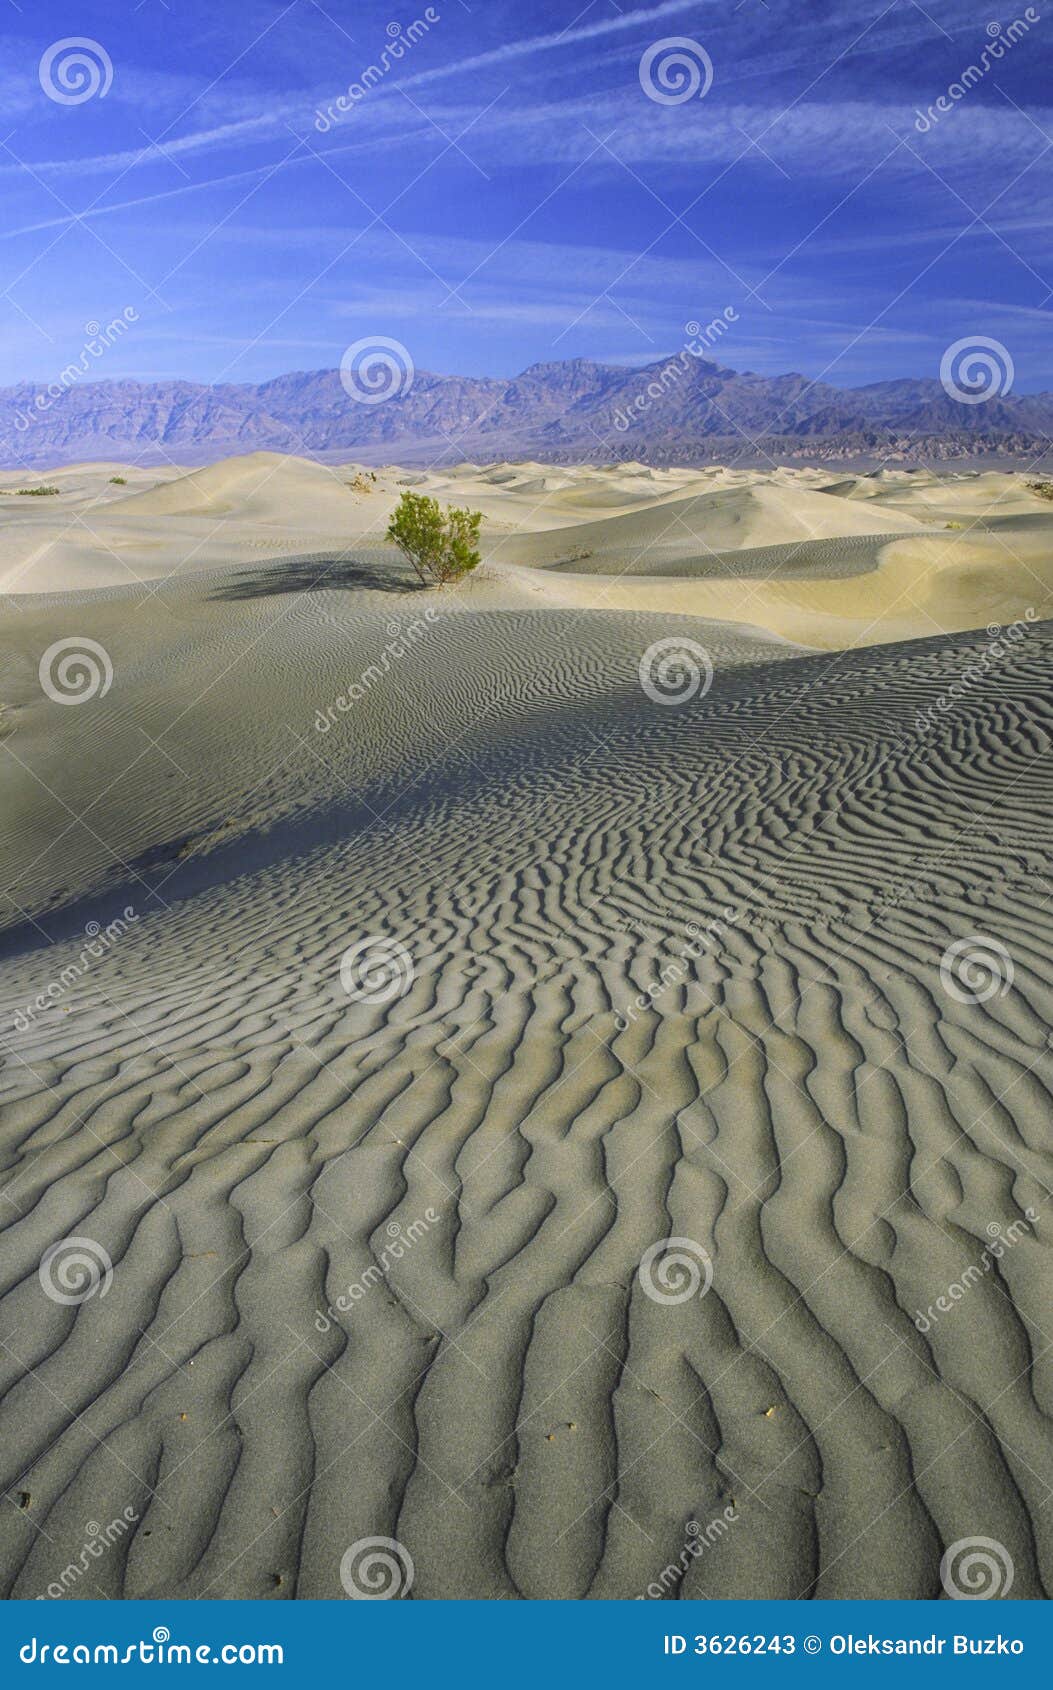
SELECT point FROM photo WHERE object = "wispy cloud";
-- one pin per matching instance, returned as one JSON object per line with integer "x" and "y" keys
{"x": 800, "y": 170}
{"x": 565, "y": 39}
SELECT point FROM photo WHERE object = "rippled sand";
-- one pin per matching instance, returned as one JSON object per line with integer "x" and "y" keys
{"x": 383, "y": 1041}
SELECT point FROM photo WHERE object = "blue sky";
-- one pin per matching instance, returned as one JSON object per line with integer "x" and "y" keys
{"x": 508, "y": 193}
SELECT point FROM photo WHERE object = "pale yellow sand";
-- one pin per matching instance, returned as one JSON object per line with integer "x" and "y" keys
{"x": 799, "y": 555}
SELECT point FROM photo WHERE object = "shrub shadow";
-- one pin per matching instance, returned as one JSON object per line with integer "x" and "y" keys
{"x": 318, "y": 573}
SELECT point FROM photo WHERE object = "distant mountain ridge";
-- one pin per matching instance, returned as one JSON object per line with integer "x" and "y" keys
{"x": 684, "y": 409}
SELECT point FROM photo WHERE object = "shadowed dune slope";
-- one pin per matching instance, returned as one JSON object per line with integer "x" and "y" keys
{"x": 667, "y": 972}
{"x": 297, "y": 694}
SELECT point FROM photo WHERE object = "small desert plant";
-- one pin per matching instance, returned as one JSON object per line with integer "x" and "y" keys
{"x": 118, "y": 481}
{"x": 1044, "y": 489}
{"x": 38, "y": 492}
{"x": 440, "y": 544}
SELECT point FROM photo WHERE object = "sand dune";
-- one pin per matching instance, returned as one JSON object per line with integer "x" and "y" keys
{"x": 673, "y": 528}
{"x": 238, "y": 510}
{"x": 782, "y": 551}
{"x": 657, "y": 970}
{"x": 260, "y": 488}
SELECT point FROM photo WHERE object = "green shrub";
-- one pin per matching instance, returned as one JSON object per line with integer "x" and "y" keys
{"x": 1044, "y": 489}
{"x": 118, "y": 481}
{"x": 38, "y": 492}
{"x": 442, "y": 545}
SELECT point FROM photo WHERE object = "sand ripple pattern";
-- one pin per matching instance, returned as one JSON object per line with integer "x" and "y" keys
{"x": 292, "y": 1359}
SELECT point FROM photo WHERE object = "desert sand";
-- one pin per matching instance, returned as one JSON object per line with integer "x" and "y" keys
{"x": 522, "y": 1095}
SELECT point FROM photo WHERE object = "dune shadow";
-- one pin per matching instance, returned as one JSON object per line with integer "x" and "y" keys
{"x": 318, "y": 573}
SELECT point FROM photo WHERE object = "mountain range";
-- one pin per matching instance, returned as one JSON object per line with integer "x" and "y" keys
{"x": 684, "y": 410}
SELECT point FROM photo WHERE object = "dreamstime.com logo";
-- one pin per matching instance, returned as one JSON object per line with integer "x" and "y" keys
{"x": 74, "y": 670}
{"x": 400, "y": 37}
{"x": 676, "y": 70}
{"x": 699, "y": 1539}
{"x": 403, "y": 637}
{"x": 675, "y": 670}
{"x": 97, "y": 1539}
{"x": 74, "y": 70}
{"x": 101, "y": 336}
{"x": 674, "y": 1270}
{"x": 399, "y": 1241}
{"x": 75, "y": 1269}
{"x": 977, "y": 1569}
{"x": 376, "y": 368}
{"x": 700, "y": 338}
{"x": 1001, "y": 1240}
{"x": 377, "y": 1569}
{"x": 376, "y": 969}
{"x": 678, "y": 968}
{"x": 159, "y": 1650}
{"x": 976, "y": 369}
{"x": 999, "y": 41}
{"x": 974, "y": 673}
{"x": 99, "y": 942}
{"x": 975, "y": 969}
